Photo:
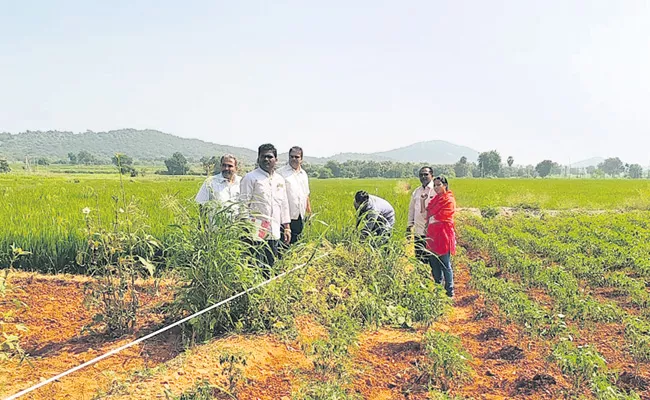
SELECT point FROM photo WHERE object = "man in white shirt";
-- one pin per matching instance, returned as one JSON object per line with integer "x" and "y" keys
{"x": 222, "y": 188}
{"x": 297, "y": 192}
{"x": 263, "y": 192}
{"x": 417, "y": 222}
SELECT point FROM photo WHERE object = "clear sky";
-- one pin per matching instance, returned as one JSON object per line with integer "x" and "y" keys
{"x": 565, "y": 80}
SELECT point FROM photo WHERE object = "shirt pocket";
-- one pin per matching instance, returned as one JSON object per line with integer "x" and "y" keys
{"x": 278, "y": 198}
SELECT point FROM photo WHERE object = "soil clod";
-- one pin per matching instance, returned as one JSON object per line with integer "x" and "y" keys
{"x": 510, "y": 353}
{"x": 528, "y": 386}
{"x": 489, "y": 334}
{"x": 467, "y": 300}
{"x": 630, "y": 381}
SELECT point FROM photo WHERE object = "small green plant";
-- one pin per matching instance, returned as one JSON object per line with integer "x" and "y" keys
{"x": 115, "y": 388}
{"x": 333, "y": 353}
{"x": 117, "y": 257}
{"x": 202, "y": 390}
{"x": 445, "y": 360}
{"x": 4, "y": 286}
{"x": 10, "y": 339}
{"x": 581, "y": 363}
{"x": 14, "y": 256}
{"x": 10, "y": 344}
{"x": 584, "y": 365}
{"x": 637, "y": 333}
{"x": 232, "y": 367}
{"x": 325, "y": 391}
{"x": 437, "y": 395}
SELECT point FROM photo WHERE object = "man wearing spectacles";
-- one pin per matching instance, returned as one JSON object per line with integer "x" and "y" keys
{"x": 263, "y": 192}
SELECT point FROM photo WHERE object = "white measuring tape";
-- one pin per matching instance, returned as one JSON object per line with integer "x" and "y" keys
{"x": 166, "y": 328}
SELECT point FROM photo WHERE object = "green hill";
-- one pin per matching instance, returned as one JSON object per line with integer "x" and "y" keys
{"x": 139, "y": 144}
{"x": 155, "y": 145}
{"x": 433, "y": 152}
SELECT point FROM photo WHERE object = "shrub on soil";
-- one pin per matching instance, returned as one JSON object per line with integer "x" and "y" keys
{"x": 325, "y": 391}
{"x": 117, "y": 257}
{"x": 445, "y": 360}
{"x": 372, "y": 286}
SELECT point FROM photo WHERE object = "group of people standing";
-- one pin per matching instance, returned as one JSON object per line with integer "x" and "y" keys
{"x": 277, "y": 202}
{"x": 431, "y": 221}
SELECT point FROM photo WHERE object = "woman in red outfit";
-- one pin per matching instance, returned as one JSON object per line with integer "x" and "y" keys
{"x": 441, "y": 235}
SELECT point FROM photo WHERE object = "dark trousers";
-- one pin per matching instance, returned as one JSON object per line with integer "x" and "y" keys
{"x": 441, "y": 268}
{"x": 297, "y": 225}
{"x": 265, "y": 252}
{"x": 269, "y": 252}
{"x": 421, "y": 252}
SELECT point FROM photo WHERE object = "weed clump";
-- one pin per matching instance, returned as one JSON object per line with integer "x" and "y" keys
{"x": 445, "y": 360}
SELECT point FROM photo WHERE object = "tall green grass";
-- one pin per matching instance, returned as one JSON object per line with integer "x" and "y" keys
{"x": 43, "y": 213}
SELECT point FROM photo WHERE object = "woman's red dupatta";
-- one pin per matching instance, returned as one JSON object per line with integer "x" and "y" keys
{"x": 441, "y": 235}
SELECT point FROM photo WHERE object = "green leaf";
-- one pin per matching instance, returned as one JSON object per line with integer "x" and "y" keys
{"x": 147, "y": 265}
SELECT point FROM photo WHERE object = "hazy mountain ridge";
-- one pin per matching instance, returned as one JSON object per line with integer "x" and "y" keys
{"x": 590, "y": 162}
{"x": 139, "y": 144}
{"x": 151, "y": 144}
{"x": 433, "y": 152}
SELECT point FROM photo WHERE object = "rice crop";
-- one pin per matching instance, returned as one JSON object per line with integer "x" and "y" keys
{"x": 44, "y": 214}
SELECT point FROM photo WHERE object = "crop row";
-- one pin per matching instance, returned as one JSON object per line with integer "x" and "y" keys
{"x": 587, "y": 250}
{"x": 562, "y": 286}
{"x": 584, "y": 365}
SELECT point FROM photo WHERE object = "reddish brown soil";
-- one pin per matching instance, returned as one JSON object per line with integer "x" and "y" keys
{"x": 384, "y": 366}
{"x": 607, "y": 338}
{"x": 54, "y": 316}
{"x": 496, "y": 378}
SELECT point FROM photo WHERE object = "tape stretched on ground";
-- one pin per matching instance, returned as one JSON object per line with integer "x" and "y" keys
{"x": 159, "y": 331}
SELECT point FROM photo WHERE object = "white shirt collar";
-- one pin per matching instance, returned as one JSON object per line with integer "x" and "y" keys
{"x": 221, "y": 179}
{"x": 288, "y": 167}
{"x": 264, "y": 172}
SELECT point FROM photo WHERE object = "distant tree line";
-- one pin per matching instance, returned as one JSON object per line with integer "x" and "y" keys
{"x": 85, "y": 158}
{"x": 488, "y": 164}
{"x": 612, "y": 167}
{"x": 177, "y": 164}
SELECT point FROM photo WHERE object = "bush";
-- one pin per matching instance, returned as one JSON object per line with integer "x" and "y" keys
{"x": 116, "y": 258}
{"x": 445, "y": 359}
{"x": 489, "y": 212}
{"x": 4, "y": 166}
{"x": 213, "y": 264}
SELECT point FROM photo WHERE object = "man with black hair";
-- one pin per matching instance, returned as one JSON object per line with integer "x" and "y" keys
{"x": 375, "y": 215}
{"x": 417, "y": 219}
{"x": 297, "y": 192}
{"x": 264, "y": 193}
{"x": 223, "y": 187}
